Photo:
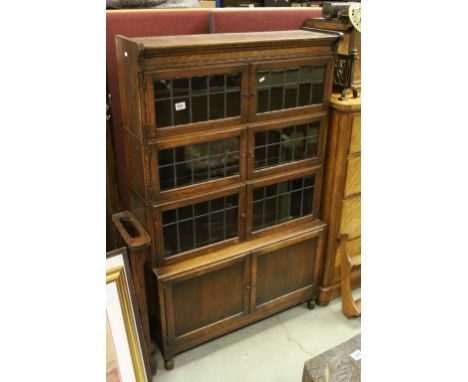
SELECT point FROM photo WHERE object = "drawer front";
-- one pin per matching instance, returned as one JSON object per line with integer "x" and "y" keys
{"x": 355, "y": 144}
{"x": 285, "y": 270}
{"x": 208, "y": 298}
{"x": 353, "y": 176}
{"x": 351, "y": 217}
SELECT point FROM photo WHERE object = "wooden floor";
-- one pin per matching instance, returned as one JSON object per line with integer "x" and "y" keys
{"x": 274, "y": 349}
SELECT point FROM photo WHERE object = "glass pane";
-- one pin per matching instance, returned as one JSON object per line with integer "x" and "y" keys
{"x": 181, "y": 111}
{"x": 289, "y": 88}
{"x": 286, "y": 145}
{"x": 196, "y": 99}
{"x": 290, "y": 97}
{"x": 276, "y": 77}
{"x": 231, "y": 200}
{"x": 170, "y": 240}
{"x": 184, "y": 231}
{"x": 233, "y": 104}
{"x": 199, "y": 162}
{"x": 199, "y": 108}
{"x": 295, "y": 206}
{"x": 180, "y": 87}
{"x": 292, "y": 75}
{"x": 317, "y": 93}
{"x": 216, "y": 106}
{"x": 184, "y": 174}
{"x": 259, "y": 159}
{"x": 304, "y": 94}
{"x": 257, "y": 218}
{"x": 306, "y": 74}
{"x": 186, "y": 235}
{"x": 263, "y": 79}
{"x": 166, "y": 177}
{"x": 262, "y": 101}
{"x": 199, "y": 86}
{"x": 217, "y": 83}
{"x": 272, "y": 155}
{"x": 170, "y": 216}
{"x": 217, "y": 226}
{"x": 201, "y": 231}
{"x": 307, "y": 201}
{"x": 319, "y": 74}
{"x": 216, "y": 205}
{"x": 231, "y": 221}
{"x": 162, "y": 89}
{"x": 261, "y": 138}
{"x": 201, "y": 208}
{"x": 185, "y": 212}
{"x": 233, "y": 81}
{"x": 163, "y": 113}
{"x": 281, "y": 202}
{"x": 276, "y": 101}
{"x": 270, "y": 211}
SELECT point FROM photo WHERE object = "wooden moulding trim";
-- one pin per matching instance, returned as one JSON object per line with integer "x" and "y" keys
{"x": 236, "y": 251}
{"x": 164, "y": 45}
{"x": 194, "y": 199}
{"x": 333, "y": 25}
{"x": 140, "y": 240}
{"x": 329, "y": 293}
{"x": 276, "y": 123}
{"x": 213, "y": 247}
{"x": 196, "y": 137}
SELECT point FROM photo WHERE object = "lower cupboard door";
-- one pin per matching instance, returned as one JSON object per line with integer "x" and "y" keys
{"x": 201, "y": 303}
{"x": 284, "y": 276}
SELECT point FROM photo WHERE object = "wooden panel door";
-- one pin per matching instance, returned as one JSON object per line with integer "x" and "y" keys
{"x": 205, "y": 300}
{"x": 286, "y": 272}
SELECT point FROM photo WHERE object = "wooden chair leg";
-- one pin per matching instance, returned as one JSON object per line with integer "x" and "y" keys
{"x": 350, "y": 307}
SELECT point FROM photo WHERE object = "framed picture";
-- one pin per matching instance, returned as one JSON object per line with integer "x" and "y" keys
{"x": 126, "y": 357}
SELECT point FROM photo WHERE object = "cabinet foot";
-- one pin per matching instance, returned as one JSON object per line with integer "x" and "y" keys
{"x": 168, "y": 364}
{"x": 311, "y": 304}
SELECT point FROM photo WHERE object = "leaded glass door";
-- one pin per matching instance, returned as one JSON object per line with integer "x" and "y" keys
{"x": 192, "y": 100}
{"x": 288, "y": 87}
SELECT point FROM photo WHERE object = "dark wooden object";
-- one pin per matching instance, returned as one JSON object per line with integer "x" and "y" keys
{"x": 112, "y": 190}
{"x": 351, "y": 40}
{"x": 137, "y": 241}
{"x": 336, "y": 364}
{"x": 341, "y": 208}
{"x": 225, "y": 143}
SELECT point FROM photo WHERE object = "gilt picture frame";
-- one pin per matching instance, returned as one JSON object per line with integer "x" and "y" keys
{"x": 126, "y": 356}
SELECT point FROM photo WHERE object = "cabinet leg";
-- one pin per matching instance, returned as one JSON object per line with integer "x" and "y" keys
{"x": 311, "y": 304}
{"x": 168, "y": 364}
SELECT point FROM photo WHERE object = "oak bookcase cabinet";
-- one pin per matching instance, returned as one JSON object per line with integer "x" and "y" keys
{"x": 224, "y": 138}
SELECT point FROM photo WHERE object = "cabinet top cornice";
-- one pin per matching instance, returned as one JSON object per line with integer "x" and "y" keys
{"x": 293, "y": 38}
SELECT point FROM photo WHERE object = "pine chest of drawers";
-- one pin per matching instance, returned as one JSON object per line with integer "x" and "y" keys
{"x": 225, "y": 142}
{"x": 341, "y": 205}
